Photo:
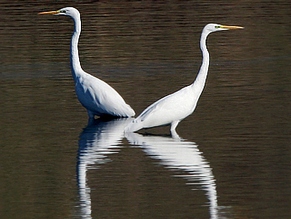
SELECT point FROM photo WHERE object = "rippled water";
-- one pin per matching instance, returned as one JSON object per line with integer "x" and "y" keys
{"x": 233, "y": 160}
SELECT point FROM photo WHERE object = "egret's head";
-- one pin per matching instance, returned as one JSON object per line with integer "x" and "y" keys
{"x": 68, "y": 11}
{"x": 218, "y": 27}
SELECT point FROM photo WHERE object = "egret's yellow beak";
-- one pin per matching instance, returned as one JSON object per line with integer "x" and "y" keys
{"x": 50, "y": 12}
{"x": 231, "y": 27}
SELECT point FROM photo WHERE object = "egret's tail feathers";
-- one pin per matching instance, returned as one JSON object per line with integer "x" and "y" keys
{"x": 131, "y": 112}
{"x": 126, "y": 111}
{"x": 134, "y": 126}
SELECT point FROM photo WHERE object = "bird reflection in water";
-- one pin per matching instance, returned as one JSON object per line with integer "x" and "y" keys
{"x": 182, "y": 155}
{"x": 96, "y": 142}
{"x": 99, "y": 140}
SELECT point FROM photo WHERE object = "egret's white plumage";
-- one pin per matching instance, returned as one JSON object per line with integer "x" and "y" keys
{"x": 98, "y": 97}
{"x": 171, "y": 109}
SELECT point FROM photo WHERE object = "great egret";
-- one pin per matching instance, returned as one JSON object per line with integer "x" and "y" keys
{"x": 171, "y": 109}
{"x": 98, "y": 97}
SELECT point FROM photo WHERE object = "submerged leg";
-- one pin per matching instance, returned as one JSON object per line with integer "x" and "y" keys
{"x": 91, "y": 117}
{"x": 90, "y": 114}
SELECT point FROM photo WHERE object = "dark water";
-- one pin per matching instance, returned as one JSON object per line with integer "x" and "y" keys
{"x": 234, "y": 159}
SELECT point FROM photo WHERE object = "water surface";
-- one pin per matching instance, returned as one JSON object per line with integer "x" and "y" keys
{"x": 233, "y": 158}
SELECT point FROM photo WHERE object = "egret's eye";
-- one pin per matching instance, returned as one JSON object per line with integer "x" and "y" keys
{"x": 216, "y": 27}
{"x": 63, "y": 11}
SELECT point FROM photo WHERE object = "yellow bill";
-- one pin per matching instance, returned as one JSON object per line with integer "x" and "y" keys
{"x": 49, "y": 12}
{"x": 231, "y": 27}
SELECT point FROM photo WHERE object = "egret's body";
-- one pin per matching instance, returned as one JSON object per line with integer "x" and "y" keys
{"x": 173, "y": 108}
{"x": 98, "y": 97}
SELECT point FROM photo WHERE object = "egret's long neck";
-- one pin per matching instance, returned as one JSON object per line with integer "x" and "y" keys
{"x": 75, "y": 62}
{"x": 200, "y": 80}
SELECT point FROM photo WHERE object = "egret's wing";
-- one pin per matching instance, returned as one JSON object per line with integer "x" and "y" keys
{"x": 165, "y": 110}
{"x": 100, "y": 96}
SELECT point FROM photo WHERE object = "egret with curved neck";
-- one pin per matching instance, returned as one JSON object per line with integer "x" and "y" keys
{"x": 98, "y": 97}
{"x": 173, "y": 108}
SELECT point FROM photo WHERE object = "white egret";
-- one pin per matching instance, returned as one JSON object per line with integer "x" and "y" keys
{"x": 98, "y": 97}
{"x": 171, "y": 109}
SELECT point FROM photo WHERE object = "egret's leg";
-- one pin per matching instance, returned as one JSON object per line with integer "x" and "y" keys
{"x": 90, "y": 114}
{"x": 175, "y": 135}
{"x": 173, "y": 128}
{"x": 91, "y": 117}
{"x": 174, "y": 125}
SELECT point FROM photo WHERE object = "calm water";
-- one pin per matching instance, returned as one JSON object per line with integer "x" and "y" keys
{"x": 234, "y": 157}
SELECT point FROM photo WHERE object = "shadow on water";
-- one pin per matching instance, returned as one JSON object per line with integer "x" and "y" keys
{"x": 99, "y": 140}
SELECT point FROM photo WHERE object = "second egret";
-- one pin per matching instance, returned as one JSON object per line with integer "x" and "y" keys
{"x": 171, "y": 109}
